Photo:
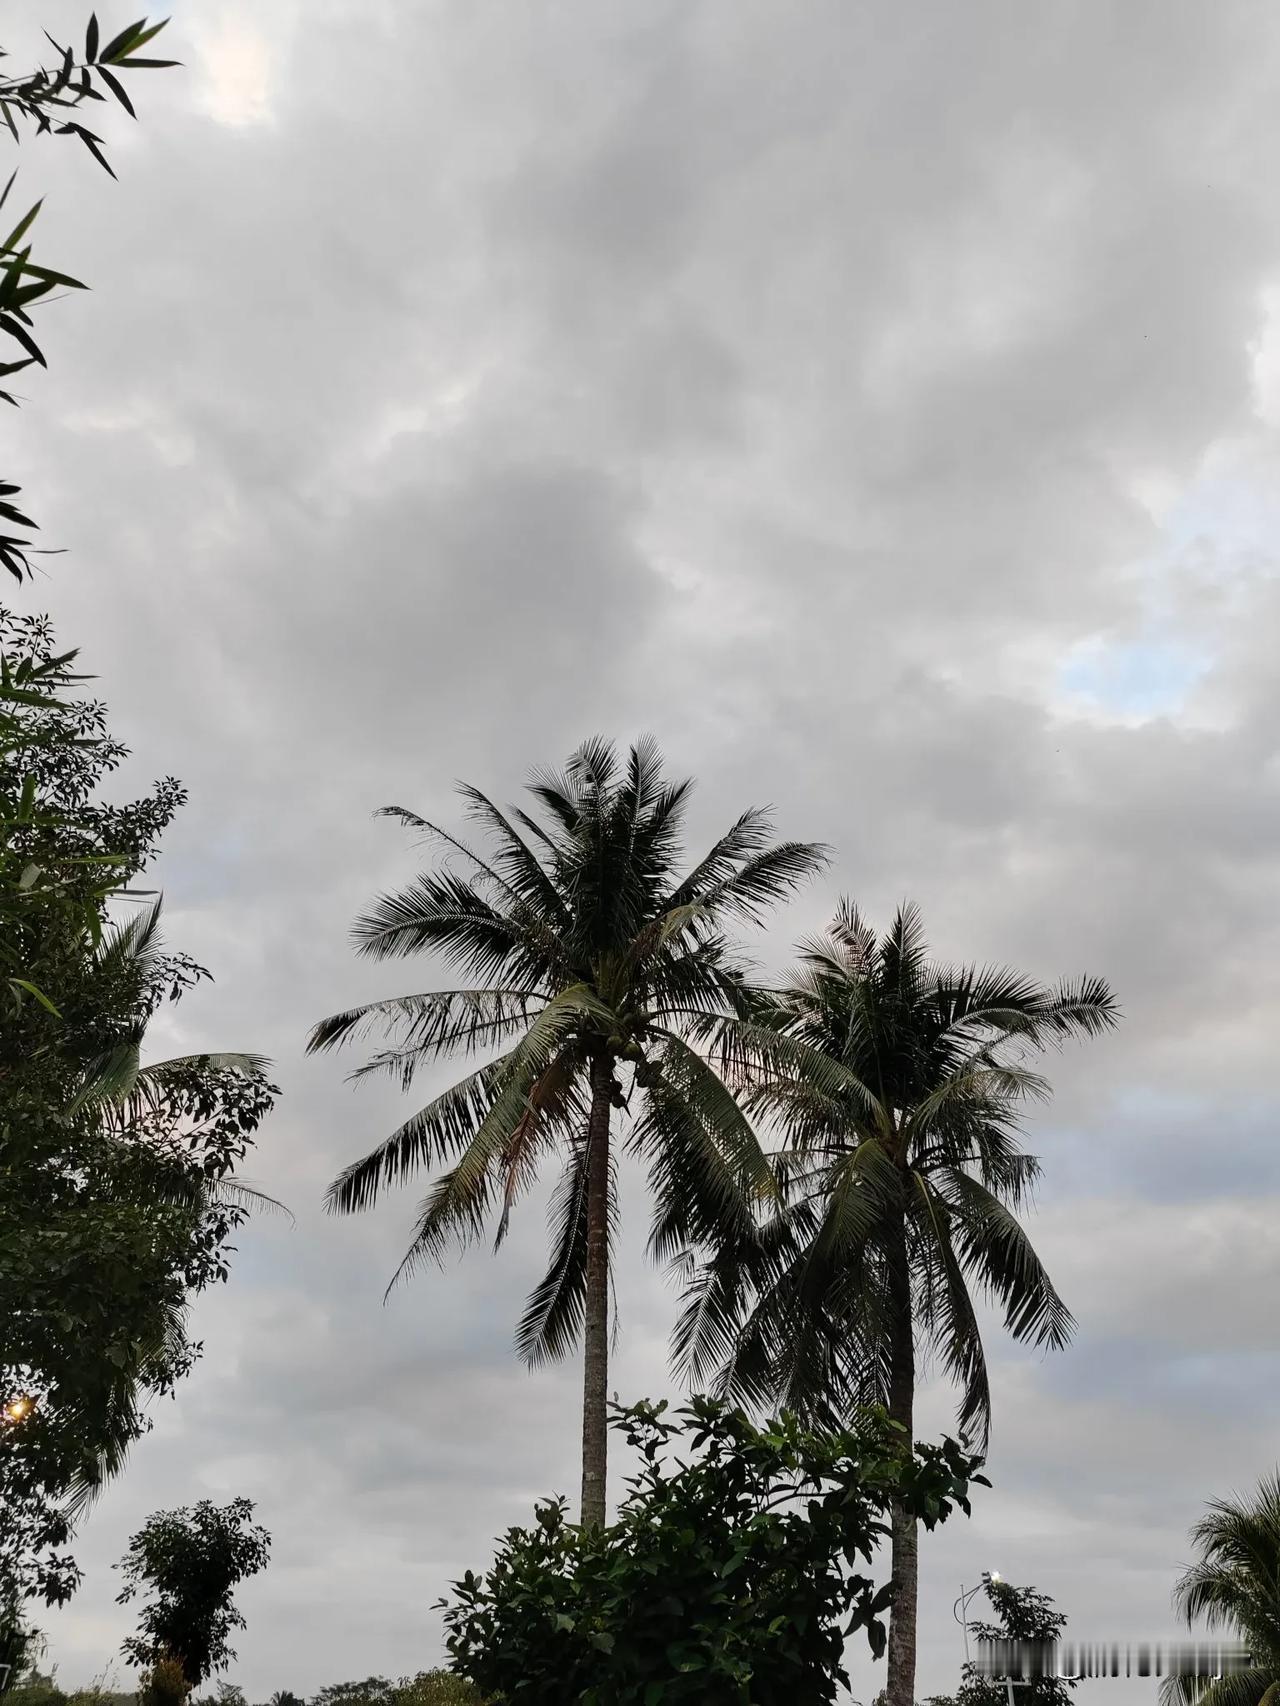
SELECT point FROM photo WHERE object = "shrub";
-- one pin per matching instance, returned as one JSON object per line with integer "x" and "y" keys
{"x": 35, "y": 1688}
{"x": 730, "y": 1578}
{"x": 165, "y": 1684}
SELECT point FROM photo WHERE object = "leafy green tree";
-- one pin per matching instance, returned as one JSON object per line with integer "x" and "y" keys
{"x": 42, "y": 729}
{"x": 31, "y": 1686}
{"x": 427, "y": 1688}
{"x": 373, "y": 1691}
{"x": 899, "y": 1085}
{"x": 1234, "y": 1587}
{"x": 436, "y": 1688}
{"x": 49, "y": 101}
{"x": 189, "y": 1562}
{"x": 117, "y": 1195}
{"x": 1021, "y": 1615}
{"x": 593, "y": 956}
{"x": 732, "y": 1577}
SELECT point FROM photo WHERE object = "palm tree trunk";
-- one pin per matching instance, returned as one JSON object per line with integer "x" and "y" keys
{"x": 595, "y": 1360}
{"x": 900, "y": 1688}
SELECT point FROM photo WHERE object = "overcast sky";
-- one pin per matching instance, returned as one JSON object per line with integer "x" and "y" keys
{"x": 879, "y": 404}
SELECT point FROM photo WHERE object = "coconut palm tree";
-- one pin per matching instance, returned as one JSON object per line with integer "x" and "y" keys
{"x": 1235, "y": 1587}
{"x": 592, "y": 957}
{"x": 897, "y": 1085}
{"x": 131, "y": 1099}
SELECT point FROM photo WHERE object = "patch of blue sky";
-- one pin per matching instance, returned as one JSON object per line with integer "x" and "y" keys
{"x": 1221, "y": 531}
{"x": 1164, "y": 1148}
{"x": 1228, "y": 518}
{"x": 1134, "y": 678}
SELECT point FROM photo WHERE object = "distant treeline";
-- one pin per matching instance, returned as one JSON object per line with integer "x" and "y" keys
{"x": 427, "y": 1688}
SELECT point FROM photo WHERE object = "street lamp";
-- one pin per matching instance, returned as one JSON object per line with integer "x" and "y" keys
{"x": 961, "y": 1606}
{"x": 18, "y": 1409}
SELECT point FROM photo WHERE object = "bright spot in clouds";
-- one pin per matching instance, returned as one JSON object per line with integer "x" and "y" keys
{"x": 237, "y": 64}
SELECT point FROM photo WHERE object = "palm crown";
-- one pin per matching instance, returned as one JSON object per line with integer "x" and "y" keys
{"x": 590, "y": 955}
{"x": 1235, "y": 1586}
{"x": 898, "y": 1086}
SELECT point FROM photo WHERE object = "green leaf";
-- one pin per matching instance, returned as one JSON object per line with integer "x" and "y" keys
{"x": 38, "y": 994}
{"x": 91, "y": 38}
{"x": 143, "y": 37}
{"x": 122, "y": 43}
{"x": 117, "y": 89}
{"x": 51, "y": 277}
{"x": 20, "y": 230}
{"x": 92, "y": 143}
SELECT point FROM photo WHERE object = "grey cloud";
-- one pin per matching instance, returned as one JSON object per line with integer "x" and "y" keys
{"x": 792, "y": 381}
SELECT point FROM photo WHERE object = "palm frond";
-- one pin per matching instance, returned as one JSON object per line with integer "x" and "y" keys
{"x": 240, "y": 1193}
{"x": 904, "y": 953}
{"x": 441, "y": 1129}
{"x": 748, "y": 836}
{"x": 127, "y": 1091}
{"x": 707, "y": 1174}
{"x": 997, "y": 1250}
{"x": 949, "y": 1318}
{"x": 481, "y": 867}
{"x": 554, "y": 1109}
{"x": 516, "y": 864}
{"x": 552, "y": 1321}
{"x": 444, "y": 912}
{"x": 861, "y": 1190}
{"x": 135, "y": 943}
{"x": 1252, "y": 1687}
{"x": 457, "y": 1206}
{"x": 551, "y": 1325}
{"x": 432, "y": 1023}
{"x": 762, "y": 881}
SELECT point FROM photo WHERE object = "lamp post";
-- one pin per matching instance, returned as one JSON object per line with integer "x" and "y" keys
{"x": 961, "y": 1606}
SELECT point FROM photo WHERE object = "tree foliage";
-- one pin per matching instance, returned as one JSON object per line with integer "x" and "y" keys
{"x": 1021, "y": 1614}
{"x": 28, "y": 1685}
{"x": 165, "y": 1684}
{"x": 117, "y": 1197}
{"x": 733, "y": 1575}
{"x": 427, "y": 1688}
{"x": 50, "y": 100}
{"x": 188, "y": 1564}
{"x": 436, "y": 1688}
{"x": 48, "y": 736}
